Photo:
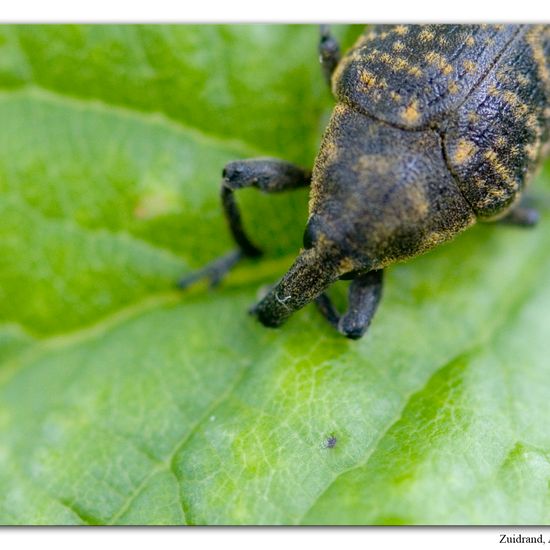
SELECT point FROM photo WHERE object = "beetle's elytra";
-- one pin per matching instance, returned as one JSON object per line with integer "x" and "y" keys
{"x": 435, "y": 127}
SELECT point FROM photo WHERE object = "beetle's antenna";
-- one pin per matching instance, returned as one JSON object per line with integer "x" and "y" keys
{"x": 309, "y": 276}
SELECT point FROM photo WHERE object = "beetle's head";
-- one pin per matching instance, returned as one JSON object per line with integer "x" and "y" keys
{"x": 381, "y": 193}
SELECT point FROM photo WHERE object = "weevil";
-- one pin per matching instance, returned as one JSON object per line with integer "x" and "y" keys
{"x": 435, "y": 127}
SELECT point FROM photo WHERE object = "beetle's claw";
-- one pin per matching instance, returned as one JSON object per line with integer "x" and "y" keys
{"x": 214, "y": 272}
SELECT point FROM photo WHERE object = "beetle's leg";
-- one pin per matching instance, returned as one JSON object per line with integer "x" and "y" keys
{"x": 521, "y": 215}
{"x": 214, "y": 271}
{"x": 364, "y": 296}
{"x": 327, "y": 309}
{"x": 365, "y": 292}
{"x": 329, "y": 52}
{"x": 268, "y": 175}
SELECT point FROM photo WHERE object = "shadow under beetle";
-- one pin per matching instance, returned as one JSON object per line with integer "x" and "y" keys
{"x": 435, "y": 127}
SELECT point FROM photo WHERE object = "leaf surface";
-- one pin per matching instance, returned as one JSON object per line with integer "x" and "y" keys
{"x": 124, "y": 401}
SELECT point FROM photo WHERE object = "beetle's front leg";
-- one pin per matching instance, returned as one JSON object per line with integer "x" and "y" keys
{"x": 364, "y": 296}
{"x": 329, "y": 52}
{"x": 267, "y": 174}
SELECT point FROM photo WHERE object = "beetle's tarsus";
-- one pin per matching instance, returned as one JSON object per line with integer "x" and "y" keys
{"x": 364, "y": 296}
{"x": 329, "y": 52}
{"x": 214, "y": 272}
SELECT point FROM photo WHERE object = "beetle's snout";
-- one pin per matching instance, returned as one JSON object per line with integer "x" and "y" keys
{"x": 307, "y": 278}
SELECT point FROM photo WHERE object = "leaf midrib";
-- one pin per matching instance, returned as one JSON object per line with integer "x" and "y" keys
{"x": 152, "y": 118}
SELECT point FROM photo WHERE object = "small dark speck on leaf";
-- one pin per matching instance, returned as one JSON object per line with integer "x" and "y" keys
{"x": 330, "y": 443}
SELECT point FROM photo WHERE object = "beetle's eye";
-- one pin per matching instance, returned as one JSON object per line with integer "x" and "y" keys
{"x": 308, "y": 237}
{"x": 312, "y": 231}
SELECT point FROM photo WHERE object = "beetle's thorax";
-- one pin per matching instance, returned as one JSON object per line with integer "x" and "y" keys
{"x": 381, "y": 194}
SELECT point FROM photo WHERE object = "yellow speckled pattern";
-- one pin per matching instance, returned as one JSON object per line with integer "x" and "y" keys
{"x": 484, "y": 88}
{"x": 431, "y": 66}
{"x": 506, "y": 117}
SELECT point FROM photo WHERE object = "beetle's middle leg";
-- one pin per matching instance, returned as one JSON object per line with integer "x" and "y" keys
{"x": 329, "y": 52}
{"x": 364, "y": 296}
{"x": 267, "y": 174}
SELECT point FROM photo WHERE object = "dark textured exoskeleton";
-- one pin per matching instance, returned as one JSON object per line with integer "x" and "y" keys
{"x": 436, "y": 126}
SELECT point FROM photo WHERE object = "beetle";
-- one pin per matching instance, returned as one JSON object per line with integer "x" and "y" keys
{"x": 435, "y": 127}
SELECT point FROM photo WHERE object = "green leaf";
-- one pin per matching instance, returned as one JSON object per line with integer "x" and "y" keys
{"x": 124, "y": 401}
